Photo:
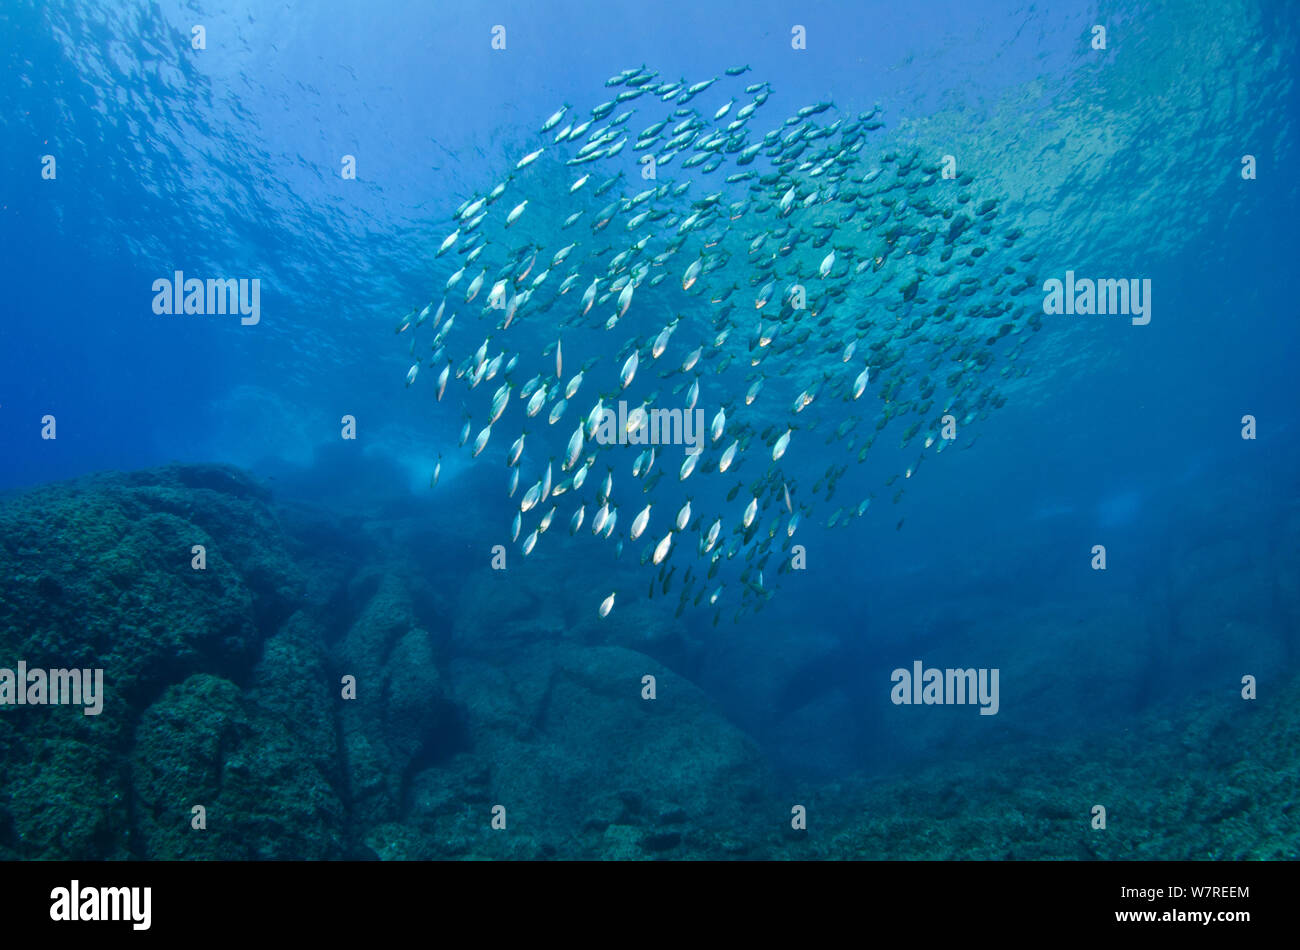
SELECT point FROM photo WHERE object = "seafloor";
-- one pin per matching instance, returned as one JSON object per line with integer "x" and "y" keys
{"x": 223, "y": 690}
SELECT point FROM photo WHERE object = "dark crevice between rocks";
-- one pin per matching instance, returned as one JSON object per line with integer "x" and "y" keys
{"x": 271, "y": 609}
{"x": 223, "y": 479}
{"x": 430, "y": 615}
{"x": 448, "y": 739}
{"x": 135, "y": 842}
{"x": 542, "y": 717}
{"x": 49, "y": 588}
{"x": 344, "y": 788}
{"x": 361, "y": 589}
{"x": 334, "y": 617}
{"x": 234, "y": 662}
{"x": 340, "y": 777}
{"x": 9, "y": 834}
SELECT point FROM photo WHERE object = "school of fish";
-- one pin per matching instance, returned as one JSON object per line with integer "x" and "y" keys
{"x": 798, "y": 284}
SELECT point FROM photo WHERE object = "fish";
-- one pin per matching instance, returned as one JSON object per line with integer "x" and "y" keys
{"x": 692, "y": 273}
{"x": 867, "y": 271}
{"x": 574, "y": 449}
{"x": 661, "y": 549}
{"x": 589, "y": 295}
{"x": 716, "y": 427}
{"x": 688, "y": 467}
{"x": 728, "y": 456}
{"x": 546, "y": 520}
{"x": 639, "y": 523}
{"x": 528, "y": 160}
{"x": 782, "y": 444}
{"x": 628, "y": 373}
{"x": 554, "y": 119}
{"x": 661, "y": 341}
{"x": 516, "y": 450}
{"x": 536, "y": 402}
{"x": 499, "y": 401}
{"x": 474, "y": 287}
{"x": 860, "y": 383}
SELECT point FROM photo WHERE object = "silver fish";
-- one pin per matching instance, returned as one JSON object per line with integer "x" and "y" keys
{"x": 574, "y": 449}
{"x": 639, "y": 523}
{"x": 628, "y": 371}
{"x": 782, "y": 444}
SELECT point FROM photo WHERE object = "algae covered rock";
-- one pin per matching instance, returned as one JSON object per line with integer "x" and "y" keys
{"x": 574, "y": 748}
{"x": 262, "y": 794}
{"x": 398, "y": 717}
{"x": 100, "y": 572}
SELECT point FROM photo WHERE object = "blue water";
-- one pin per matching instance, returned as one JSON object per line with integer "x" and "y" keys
{"x": 1123, "y": 162}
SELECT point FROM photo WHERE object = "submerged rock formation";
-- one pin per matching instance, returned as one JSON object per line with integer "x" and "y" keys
{"x": 336, "y": 686}
{"x": 229, "y": 731}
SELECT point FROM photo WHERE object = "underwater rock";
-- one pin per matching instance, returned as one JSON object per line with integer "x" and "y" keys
{"x": 97, "y": 572}
{"x": 396, "y": 721}
{"x": 574, "y": 749}
{"x": 63, "y": 798}
{"x": 292, "y": 682}
{"x": 251, "y": 725}
{"x": 263, "y": 796}
{"x": 496, "y": 610}
{"x": 226, "y": 691}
